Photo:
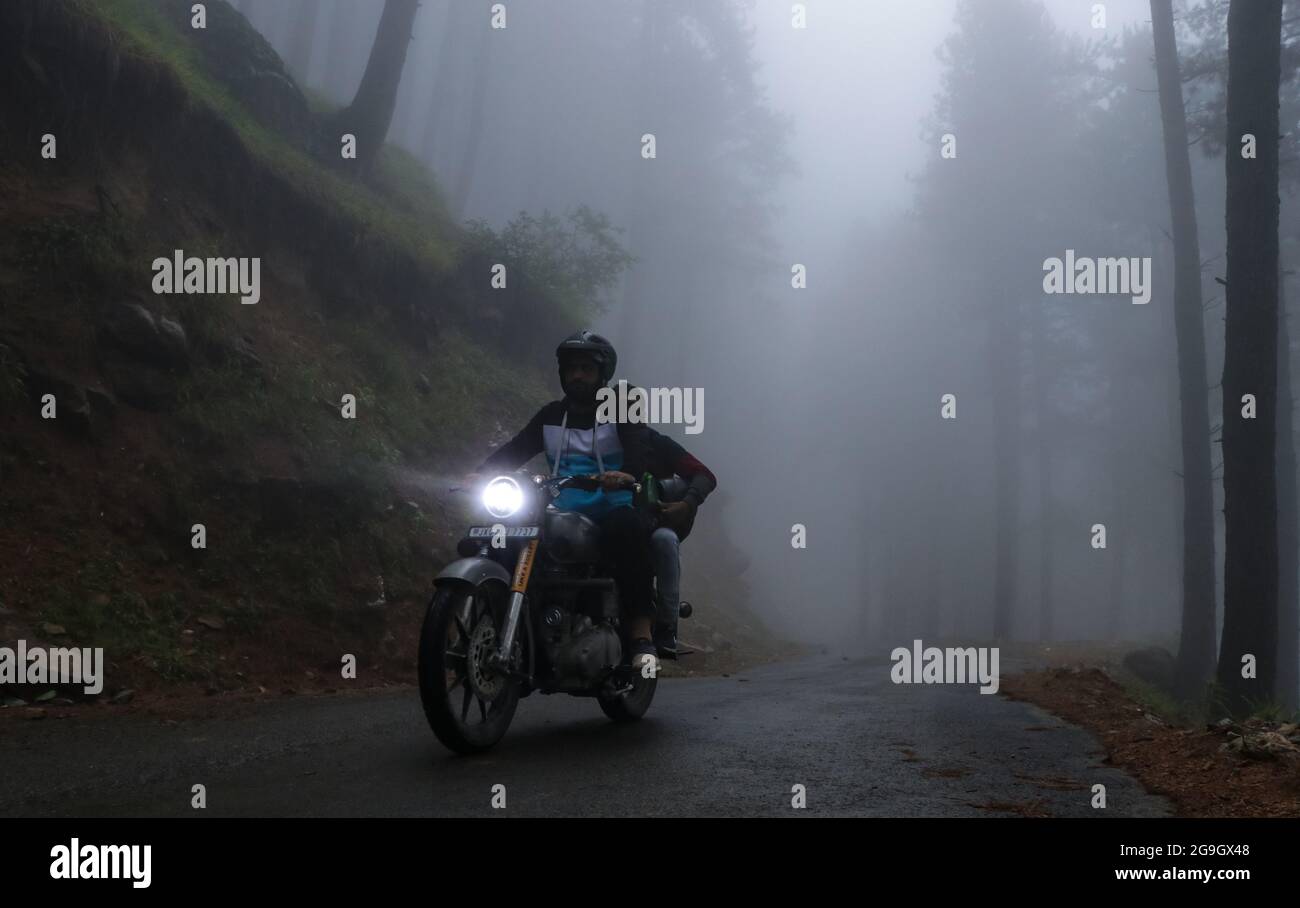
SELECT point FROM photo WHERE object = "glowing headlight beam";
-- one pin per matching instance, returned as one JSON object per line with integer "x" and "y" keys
{"x": 503, "y": 497}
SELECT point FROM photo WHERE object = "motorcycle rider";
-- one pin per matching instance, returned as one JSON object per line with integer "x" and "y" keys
{"x": 576, "y": 444}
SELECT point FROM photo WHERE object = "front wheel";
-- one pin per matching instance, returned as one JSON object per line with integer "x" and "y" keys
{"x": 468, "y": 703}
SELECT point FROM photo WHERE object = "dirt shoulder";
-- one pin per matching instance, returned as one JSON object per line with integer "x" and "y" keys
{"x": 1226, "y": 770}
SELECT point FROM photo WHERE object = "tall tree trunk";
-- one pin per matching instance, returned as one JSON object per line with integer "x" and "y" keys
{"x": 371, "y": 111}
{"x": 1196, "y": 643}
{"x": 1004, "y": 353}
{"x": 443, "y": 92}
{"x": 477, "y": 103}
{"x": 940, "y": 562}
{"x": 1288, "y": 522}
{"x": 1119, "y": 537}
{"x": 421, "y": 77}
{"x": 922, "y": 539}
{"x": 303, "y": 39}
{"x": 1046, "y": 624}
{"x": 864, "y": 567}
{"x": 1173, "y": 616}
{"x": 895, "y": 621}
{"x": 1250, "y": 571}
{"x": 1046, "y": 607}
{"x": 637, "y": 285}
{"x": 337, "y": 81}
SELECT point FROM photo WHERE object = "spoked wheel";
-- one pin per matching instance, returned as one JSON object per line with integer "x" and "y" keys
{"x": 630, "y": 705}
{"x": 468, "y": 703}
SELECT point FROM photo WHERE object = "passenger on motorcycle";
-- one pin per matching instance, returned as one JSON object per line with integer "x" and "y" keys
{"x": 685, "y": 483}
{"x": 575, "y": 444}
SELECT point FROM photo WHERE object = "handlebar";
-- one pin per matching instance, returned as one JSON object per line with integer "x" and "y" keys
{"x": 588, "y": 483}
{"x": 555, "y": 484}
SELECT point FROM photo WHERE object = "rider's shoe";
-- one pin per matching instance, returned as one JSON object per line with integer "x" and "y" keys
{"x": 665, "y": 642}
{"x": 643, "y": 652}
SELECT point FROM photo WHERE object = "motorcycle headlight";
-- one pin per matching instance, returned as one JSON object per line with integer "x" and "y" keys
{"x": 503, "y": 497}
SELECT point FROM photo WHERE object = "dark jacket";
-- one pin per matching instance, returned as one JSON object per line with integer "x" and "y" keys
{"x": 643, "y": 450}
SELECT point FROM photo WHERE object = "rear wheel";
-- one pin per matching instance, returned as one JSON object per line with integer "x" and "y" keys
{"x": 631, "y": 704}
{"x": 469, "y": 704}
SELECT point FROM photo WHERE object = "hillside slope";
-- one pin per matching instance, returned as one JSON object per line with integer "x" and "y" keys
{"x": 322, "y": 533}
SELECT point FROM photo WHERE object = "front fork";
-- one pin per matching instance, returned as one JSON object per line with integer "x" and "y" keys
{"x": 523, "y": 568}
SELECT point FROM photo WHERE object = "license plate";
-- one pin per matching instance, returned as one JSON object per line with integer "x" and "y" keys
{"x": 515, "y": 532}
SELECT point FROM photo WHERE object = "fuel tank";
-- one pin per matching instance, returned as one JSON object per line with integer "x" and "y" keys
{"x": 571, "y": 538}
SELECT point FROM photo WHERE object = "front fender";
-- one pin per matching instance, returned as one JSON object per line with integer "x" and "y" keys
{"x": 474, "y": 571}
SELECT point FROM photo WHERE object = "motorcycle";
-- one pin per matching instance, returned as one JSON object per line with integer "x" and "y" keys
{"x": 528, "y": 607}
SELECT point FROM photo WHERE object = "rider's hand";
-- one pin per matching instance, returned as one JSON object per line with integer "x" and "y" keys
{"x": 676, "y": 515}
{"x": 613, "y": 480}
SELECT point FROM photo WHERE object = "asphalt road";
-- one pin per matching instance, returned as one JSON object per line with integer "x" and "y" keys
{"x": 859, "y": 745}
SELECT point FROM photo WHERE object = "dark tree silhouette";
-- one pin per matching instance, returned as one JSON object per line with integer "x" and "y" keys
{"x": 371, "y": 111}
{"x": 441, "y": 97}
{"x": 1043, "y": 468}
{"x": 1204, "y": 73}
{"x": 1196, "y": 645}
{"x": 1288, "y": 521}
{"x": 477, "y": 105}
{"x": 1250, "y": 355}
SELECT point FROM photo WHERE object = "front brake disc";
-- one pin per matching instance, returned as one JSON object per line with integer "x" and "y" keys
{"x": 484, "y": 680}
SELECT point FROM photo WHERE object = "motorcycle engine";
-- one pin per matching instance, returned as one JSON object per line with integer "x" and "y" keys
{"x": 585, "y": 651}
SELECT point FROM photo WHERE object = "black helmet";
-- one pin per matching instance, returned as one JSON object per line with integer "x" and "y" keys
{"x": 593, "y": 345}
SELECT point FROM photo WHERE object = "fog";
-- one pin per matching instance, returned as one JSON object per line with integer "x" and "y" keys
{"x": 779, "y": 146}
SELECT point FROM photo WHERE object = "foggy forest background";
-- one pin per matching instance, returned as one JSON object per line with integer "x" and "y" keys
{"x": 820, "y": 147}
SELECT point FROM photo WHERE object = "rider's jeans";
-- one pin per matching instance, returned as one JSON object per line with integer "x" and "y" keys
{"x": 665, "y": 554}
{"x": 624, "y": 534}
